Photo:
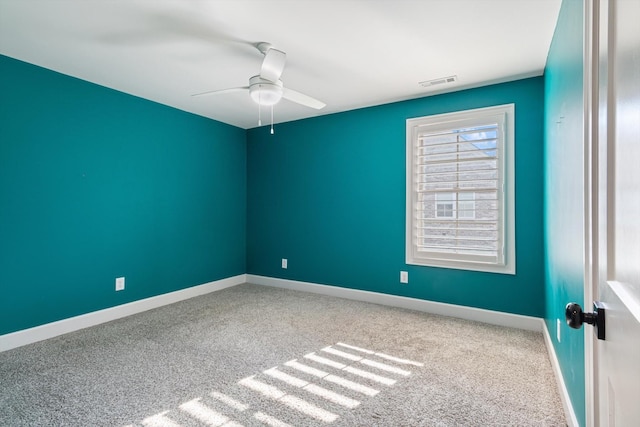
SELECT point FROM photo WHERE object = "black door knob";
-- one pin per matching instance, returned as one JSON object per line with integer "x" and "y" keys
{"x": 576, "y": 317}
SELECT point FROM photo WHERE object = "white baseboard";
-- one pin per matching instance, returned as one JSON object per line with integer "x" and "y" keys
{"x": 53, "y": 329}
{"x": 451, "y": 310}
{"x": 569, "y": 413}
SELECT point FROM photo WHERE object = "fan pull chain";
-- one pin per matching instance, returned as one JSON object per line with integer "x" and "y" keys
{"x": 260, "y": 108}
{"x": 271, "y": 119}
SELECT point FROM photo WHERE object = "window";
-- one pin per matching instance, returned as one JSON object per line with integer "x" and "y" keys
{"x": 445, "y": 205}
{"x": 466, "y": 205}
{"x": 460, "y": 190}
{"x": 452, "y": 205}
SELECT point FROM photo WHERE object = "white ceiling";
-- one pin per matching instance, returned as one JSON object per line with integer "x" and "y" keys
{"x": 347, "y": 53}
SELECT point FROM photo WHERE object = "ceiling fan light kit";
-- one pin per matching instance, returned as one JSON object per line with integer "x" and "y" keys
{"x": 266, "y": 88}
{"x": 264, "y": 92}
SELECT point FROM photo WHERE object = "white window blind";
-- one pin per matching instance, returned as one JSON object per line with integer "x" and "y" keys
{"x": 458, "y": 206}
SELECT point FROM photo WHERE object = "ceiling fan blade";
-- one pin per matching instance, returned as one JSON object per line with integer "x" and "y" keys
{"x": 302, "y": 99}
{"x": 273, "y": 64}
{"x": 216, "y": 92}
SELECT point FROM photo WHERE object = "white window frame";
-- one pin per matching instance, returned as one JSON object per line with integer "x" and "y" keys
{"x": 445, "y": 202}
{"x": 456, "y": 206}
{"x": 461, "y": 206}
{"x": 504, "y": 115}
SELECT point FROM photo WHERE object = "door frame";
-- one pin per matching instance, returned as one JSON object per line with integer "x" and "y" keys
{"x": 590, "y": 123}
{"x": 593, "y": 17}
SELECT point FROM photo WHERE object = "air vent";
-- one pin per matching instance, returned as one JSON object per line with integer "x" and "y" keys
{"x": 440, "y": 81}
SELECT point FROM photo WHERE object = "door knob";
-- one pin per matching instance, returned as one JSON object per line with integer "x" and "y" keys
{"x": 576, "y": 317}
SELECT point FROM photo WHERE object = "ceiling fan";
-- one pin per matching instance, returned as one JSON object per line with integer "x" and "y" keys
{"x": 266, "y": 88}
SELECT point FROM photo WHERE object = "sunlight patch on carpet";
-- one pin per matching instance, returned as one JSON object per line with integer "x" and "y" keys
{"x": 293, "y": 385}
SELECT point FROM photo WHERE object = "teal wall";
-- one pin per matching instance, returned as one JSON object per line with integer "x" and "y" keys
{"x": 564, "y": 198}
{"x": 96, "y": 184}
{"x": 328, "y": 194}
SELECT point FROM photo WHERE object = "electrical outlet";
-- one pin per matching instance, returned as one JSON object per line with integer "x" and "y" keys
{"x": 120, "y": 284}
{"x": 558, "y": 323}
{"x": 404, "y": 277}
{"x": 284, "y": 263}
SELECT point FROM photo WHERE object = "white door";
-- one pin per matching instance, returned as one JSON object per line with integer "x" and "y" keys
{"x": 615, "y": 213}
